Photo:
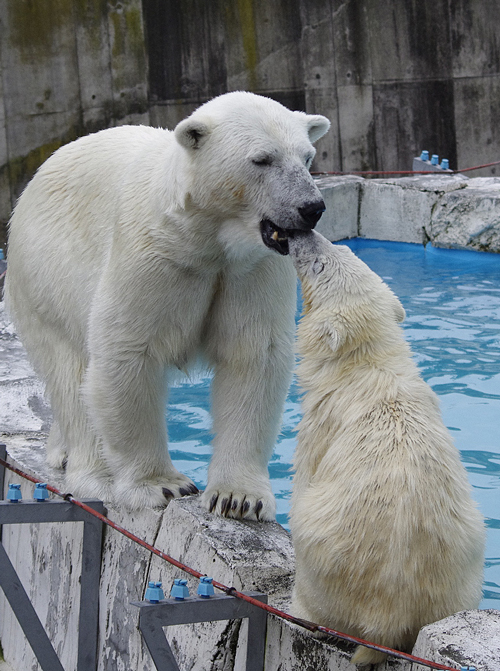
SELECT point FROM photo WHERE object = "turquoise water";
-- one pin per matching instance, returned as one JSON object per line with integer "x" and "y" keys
{"x": 452, "y": 301}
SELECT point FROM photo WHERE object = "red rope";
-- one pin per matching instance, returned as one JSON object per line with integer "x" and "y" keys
{"x": 407, "y": 172}
{"x": 311, "y": 626}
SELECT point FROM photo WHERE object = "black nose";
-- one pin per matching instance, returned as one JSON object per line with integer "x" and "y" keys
{"x": 311, "y": 212}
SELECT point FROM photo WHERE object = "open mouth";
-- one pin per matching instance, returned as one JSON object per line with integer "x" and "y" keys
{"x": 274, "y": 237}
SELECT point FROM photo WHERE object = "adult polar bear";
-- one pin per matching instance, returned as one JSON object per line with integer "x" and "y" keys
{"x": 135, "y": 250}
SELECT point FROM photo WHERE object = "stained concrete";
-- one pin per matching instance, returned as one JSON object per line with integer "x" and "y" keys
{"x": 393, "y": 77}
{"x": 451, "y": 211}
{"x": 470, "y": 638}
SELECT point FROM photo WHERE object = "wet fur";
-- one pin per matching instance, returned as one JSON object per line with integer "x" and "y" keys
{"x": 135, "y": 251}
{"x": 387, "y": 537}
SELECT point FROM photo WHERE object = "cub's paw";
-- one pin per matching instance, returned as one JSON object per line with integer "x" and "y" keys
{"x": 363, "y": 656}
{"x": 240, "y": 505}
{"x": 153, "y": 493}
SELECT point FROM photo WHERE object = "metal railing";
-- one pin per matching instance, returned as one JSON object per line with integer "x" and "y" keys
{"x": 55, "y": 511}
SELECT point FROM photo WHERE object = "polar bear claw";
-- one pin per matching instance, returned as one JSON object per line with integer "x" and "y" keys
{"x": 240, "y": 506}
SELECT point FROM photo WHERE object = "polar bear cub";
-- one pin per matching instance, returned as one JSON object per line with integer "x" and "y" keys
{"x": 136, "y": 251}
{"x": 386, "y": 535}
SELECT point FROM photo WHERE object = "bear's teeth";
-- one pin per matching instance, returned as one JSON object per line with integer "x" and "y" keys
{"x": 277, "y": 238}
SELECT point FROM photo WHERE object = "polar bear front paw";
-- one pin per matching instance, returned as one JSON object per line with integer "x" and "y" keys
{"x": 240, "y": 505}
{"x": 90, "y": 483}
{"x": 153, "y": 494}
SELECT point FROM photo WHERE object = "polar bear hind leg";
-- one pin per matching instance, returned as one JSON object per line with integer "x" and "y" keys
{"x": 364, "y": 656}
{"x": 72, "y": 442}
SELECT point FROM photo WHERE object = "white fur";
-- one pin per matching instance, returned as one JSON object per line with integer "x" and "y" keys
{"x": 386, "y": 535}
{"x": 136, "y": 250}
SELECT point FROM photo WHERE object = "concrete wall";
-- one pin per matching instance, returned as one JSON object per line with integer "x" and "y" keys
{"x": 394, "y": 77}
{"x": 68, "y": 67}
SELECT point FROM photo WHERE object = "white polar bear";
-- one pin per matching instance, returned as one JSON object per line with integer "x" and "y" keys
{"x": 386, "y": 535}
{"x": 135, "y": 251}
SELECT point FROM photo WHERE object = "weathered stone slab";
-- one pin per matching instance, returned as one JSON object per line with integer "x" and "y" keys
{"x": 390, "y": 212}
{"x": 471, "y": 638}
{"x": 477, "y": 109}
{"x": 341, "y": 196}
{"x": 124, "y": 576}
{"x": 22, "y": 403}
{"x": 356, "y": 120}
{"x": 436, "y": 183}
{"x": 5, "y": 201}
{"x": 128, "y": 62}
{"x": 469, "y": 218}
{"x": 320, "y": 79}
{"x": 246, "y": 555}
{"x": 94, "y": 57}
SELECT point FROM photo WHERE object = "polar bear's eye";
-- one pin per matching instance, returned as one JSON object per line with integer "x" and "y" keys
{"x": 264, "y": 159}
{"x": 308, "y": 161}
{"x": 318, "y": 267}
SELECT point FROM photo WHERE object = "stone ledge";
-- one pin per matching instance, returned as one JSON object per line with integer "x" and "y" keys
{"x": 341, "y": 196}
{"x": 449, "y": 211}
{"x": 468, "y": 219}
{"x": 246, "y": 555}
{"x": 470, "y": 638}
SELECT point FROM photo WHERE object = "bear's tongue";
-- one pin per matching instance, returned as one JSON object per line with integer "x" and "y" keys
{"x": 274, "y": 237}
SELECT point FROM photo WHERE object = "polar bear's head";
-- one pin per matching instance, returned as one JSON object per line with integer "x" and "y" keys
{"x": 346, "y": 304}
{"x": 248, "y": 163}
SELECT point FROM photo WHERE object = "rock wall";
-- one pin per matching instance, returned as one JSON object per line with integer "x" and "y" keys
{"x": 446, "y": 210}
{"x": 68, "y": 67}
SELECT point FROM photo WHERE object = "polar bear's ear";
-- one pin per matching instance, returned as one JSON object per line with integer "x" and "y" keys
{"x": 327, "y": 332}
{"x": 317, "y": 126}
{"x": 399, "y": 310}
{"x": 191, "y": 133}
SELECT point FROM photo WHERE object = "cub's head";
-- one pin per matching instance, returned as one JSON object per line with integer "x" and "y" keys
{"x": 248, "y": 160}
{"x": 345, "y": 303}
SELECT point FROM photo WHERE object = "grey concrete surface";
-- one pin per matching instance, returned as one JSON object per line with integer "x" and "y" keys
{"x": 471, "y": 638}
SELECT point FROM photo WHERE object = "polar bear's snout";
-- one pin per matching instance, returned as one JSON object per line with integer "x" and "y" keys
{"x": 277, "y": 237}
{"x": 311, "y": 213}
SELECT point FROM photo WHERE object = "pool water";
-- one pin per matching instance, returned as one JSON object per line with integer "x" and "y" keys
{"x": 452, "y": 302}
